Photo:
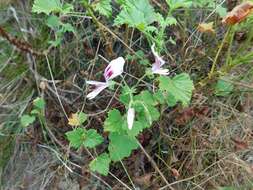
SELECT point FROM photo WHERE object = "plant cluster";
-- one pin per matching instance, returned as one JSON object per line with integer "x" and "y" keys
{"x": 142, "y": 106}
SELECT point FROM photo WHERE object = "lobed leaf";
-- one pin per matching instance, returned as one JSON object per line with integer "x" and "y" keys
{"x": 39, "y": 103}
{"x": 180, "y": 87}
{"x": 46, "y": 6}
{"x": 121, "y": 146}
{"x": 136, "y": 13}
{"x": 114, "y": 121}
{"x": 26, "y": 120}
{"x": 104, "y": 7}
{"x": 76, "y": 137}
{"x": 223, "y": 88}
{"x": 92, "y": 139}
{"x": 80, "y": 136}
{"x": 101, "y": 164}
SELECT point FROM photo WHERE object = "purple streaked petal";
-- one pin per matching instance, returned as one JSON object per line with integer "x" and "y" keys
{"x": 114, "y": 69}
{"x": 158, "y": 60}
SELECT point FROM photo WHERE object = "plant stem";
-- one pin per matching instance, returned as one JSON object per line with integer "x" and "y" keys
{"x": 230, "y": 45}
{"x": 210, "y": 74}
{"x": 132, "y": 183}
{"x": 155, "y": 166}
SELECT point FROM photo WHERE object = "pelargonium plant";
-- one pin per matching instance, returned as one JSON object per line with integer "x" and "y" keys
{"x": 141, "y": 110}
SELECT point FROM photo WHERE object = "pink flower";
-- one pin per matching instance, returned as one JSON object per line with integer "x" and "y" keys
{"x": 99, "y": 87}
{"x": 130, "y": 118}
{"x": 159, "y": 62}
{"x": 114, "y": 69}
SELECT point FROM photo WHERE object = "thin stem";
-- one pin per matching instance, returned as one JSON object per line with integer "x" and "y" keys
{"x": 210, "y": 74}
{"x": 128, "y": 174}
{"x": 230, "y": 46}
{"x": 56, "y": 92}
{"x": 125, "y": 185}
{"x": 155, "y": 166}
{"x": 140, "y": 79}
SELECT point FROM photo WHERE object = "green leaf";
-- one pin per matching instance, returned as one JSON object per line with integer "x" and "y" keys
{"x": 104, "y": 7}
{"x": 26, "y": 120}
{"x": 82, "y": 117}
{"x": 92, "y": 139}
{"x": 39, "y": 103}
{"x": 76, "y": 137}
{"x": 221, "y": 11}
{"x": 46, "y": 6}
{"x": 53, "y": 22}
{"x": 101, "y": 164}
{"x": 144, "y": 62}
{"x": 114, "y": 121}
{"x": 160, "y": 97}
{"x": 136, "y": 13}
{"x": 137, "y": 128}
{"x": 125, "y": 95}
{"x": 81, "y": 136}
{"x": 56, "y": 42}
{"x": 180, "y": 87}
{"x": 169, "y": 21}
{"x": 146, "y": 97}
{"x": 147, "y": 114}
{"x": 121, "y": 146}
{"x": 144, "y": 104}
{"x": 67, "y": 8}
{"x": 67, "y": 28}
{"x": 175, "y": 4}
{"x": 171, "y": 100}
{"x": 223, "y": 88}
{"x": 35, "y": 112}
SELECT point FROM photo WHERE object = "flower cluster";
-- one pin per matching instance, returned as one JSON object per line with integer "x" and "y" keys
{"x": 114, "y": 69}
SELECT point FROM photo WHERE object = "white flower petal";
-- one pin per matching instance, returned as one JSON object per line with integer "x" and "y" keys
{"x": 99, "y": 87}
{"x": 161, "y": 71}
{"x": 114, "y": 69}
{"x": 130, "y": 118}
{"x": 92, "y": 82}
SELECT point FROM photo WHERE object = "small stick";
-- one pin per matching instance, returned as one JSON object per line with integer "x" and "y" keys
{"x": 155, "y": 166}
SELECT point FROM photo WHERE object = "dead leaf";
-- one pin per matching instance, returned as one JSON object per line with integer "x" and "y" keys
{"x": 175, "y": 173}
{"x": 206, "y": 27}
{"x": 187, "y": 114}
{"x": 215, "y": 131}
{"x": 73, "y": 120}
{"x": 239, "y": 13}
{"x": 43, "y": 85}
{"x": 239, "y": 144}
{"x": 144, "y": 180}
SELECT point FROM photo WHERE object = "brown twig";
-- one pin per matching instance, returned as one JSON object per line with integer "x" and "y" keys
{"x": 21, "y": 45}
